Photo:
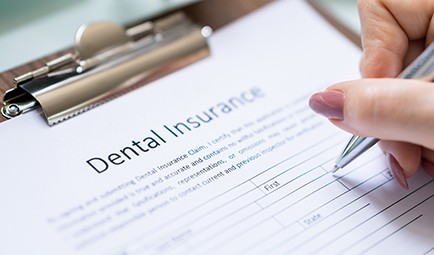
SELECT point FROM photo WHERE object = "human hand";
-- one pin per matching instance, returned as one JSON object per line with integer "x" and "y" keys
{"x": 399, "y": 112}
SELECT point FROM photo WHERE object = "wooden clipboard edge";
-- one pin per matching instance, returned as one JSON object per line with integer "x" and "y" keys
{"x": 214, "y": 13}
{"x": 355, "y": 38}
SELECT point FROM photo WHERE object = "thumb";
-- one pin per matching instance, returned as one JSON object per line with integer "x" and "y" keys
{"x": 389, "y": 109}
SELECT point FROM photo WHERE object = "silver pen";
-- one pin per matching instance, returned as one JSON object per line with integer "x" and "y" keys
{"x": 421, "y": 68}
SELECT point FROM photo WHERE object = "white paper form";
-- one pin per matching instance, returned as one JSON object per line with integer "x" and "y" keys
{"x": 222, "y": 157}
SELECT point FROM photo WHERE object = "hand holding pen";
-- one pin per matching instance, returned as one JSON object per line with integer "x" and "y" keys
{"x": 398, "y": 112}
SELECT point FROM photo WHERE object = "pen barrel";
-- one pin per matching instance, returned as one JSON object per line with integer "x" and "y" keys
{"x": 422, "y": 67}
{"x": 81, "y": 92}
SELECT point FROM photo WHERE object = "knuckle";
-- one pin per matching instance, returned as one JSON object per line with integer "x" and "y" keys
{"x": 361, "y": 4}
{"x": 367, "y": 5}
{"x": 366, "y": 107}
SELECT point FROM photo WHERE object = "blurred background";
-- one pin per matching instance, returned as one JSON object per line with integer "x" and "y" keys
{"x": 32, "y": 29}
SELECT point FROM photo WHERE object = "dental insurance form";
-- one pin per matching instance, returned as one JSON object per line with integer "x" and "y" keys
{"x": 222, "y": 157}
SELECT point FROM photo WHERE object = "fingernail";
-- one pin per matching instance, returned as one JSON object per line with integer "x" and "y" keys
{"x": 428, "y": 167}
{"x": 329, "y": 104}
{"x": 397, "y": 171}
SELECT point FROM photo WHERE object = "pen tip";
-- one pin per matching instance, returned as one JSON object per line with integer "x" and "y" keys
{"x": 335, "y": 169}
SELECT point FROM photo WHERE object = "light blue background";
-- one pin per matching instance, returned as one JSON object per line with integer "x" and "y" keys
{"x": 32, "y": 29}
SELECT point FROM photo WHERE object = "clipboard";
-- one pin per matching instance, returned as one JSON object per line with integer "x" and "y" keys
{"x": 47, "y": 173}
{"x": 163, "y": 57}
{"x": 176, "y": 40}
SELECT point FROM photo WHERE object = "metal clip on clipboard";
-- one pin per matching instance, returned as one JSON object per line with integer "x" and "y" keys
{"x": 108, "y": 61}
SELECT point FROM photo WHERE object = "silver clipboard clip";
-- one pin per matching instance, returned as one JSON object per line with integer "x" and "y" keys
{"x": 108, "y": 61}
